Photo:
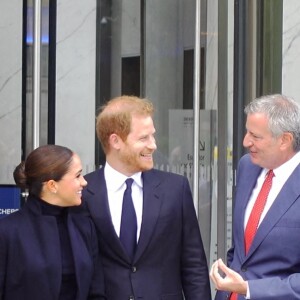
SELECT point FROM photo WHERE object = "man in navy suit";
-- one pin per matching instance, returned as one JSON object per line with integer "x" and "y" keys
{"x": 169, "y": 260}
{"x": 270, "y": 268}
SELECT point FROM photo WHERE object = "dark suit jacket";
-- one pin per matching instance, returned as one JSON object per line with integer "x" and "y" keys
{"x": 30, "y": 261}
{"x": 169, "y": 258}
{"x": 272, "y": 264}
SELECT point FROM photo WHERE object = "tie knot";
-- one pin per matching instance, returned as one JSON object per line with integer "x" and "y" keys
{"x": 270, "y": 174}
{"x": 129, "y": 182}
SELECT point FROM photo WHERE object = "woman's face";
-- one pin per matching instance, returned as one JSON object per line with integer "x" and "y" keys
{"x": 69, "y": 188}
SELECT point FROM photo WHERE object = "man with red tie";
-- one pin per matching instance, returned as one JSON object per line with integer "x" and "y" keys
{"x": 264, "y": 260}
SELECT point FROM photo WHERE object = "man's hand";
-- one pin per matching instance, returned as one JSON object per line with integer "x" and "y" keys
{"x": 231, "y": 281}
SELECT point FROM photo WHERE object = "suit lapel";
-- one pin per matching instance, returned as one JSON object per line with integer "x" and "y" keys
{"x": 151, "y": 209}
{"x": 97, "y": 202}
{"x": 247, "y": 183}
{"x": 80, "y": 253}
{"x": 285, "y": 199}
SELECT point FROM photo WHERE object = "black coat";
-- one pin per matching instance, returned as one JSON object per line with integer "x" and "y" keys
{"x": 30, "y": 258}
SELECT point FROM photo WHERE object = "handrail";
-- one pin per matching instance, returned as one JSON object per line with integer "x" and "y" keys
{"x": 36, "y": 88}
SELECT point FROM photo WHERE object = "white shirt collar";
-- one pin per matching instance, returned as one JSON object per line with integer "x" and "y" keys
{"x": 286, "y": 169}
{"x": 115, "y": 180}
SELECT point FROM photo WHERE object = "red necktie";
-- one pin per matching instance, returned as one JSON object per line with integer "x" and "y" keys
{"x": 257, "y": 210}
{"x": 255, "y": 216}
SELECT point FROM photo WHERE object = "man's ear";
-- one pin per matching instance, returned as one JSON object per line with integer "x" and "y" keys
{"x": 287, "y": 140}
{"x": 114, "y": 141}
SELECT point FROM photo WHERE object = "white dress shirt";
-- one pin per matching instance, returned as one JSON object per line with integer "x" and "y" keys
{"x": 282, "y": 174}
{"x": 115, "y": 183}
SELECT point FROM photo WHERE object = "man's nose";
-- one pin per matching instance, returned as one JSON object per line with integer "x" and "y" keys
{"x": 152, "y": 144}
{"x": 247, "y": 142}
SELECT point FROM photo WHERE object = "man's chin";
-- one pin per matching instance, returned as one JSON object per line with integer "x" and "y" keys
{"x": 254, "y": 159}
{"x": 147, "y": 166}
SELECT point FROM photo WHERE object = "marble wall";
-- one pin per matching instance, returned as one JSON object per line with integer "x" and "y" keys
{"x": 75, "y": 78}
{"x": 164, "y": 61}
{"x": 75, "y": 90}
{"x": 290, "y": 49}
{"x": 10, "y": 87}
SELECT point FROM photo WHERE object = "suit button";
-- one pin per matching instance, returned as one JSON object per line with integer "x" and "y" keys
{"x": 244, "y": 269}
{"x": 133, "y": 269}
{"x": 131, "y": 298}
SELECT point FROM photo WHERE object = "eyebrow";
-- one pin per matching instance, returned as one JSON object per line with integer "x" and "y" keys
{"x": 78, "y": 172}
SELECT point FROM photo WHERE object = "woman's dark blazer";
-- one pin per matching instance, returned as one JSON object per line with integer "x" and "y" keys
{"x": 30, "y": 257}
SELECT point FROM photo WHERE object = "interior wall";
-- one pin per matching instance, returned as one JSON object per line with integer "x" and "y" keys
{"x": 10, "y": 88}
{"x": 75, "y": 78}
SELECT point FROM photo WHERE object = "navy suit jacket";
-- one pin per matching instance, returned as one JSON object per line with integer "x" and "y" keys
{"x": 272, "y": 265}
{"x": 30, "y": 258}
{"x": 169, "y": 258}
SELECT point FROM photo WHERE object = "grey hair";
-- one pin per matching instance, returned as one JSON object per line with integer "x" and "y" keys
{"x": 282, "y": 112}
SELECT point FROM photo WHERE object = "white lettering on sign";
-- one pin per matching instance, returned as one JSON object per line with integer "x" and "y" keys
{"x": 7, "y": 211}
